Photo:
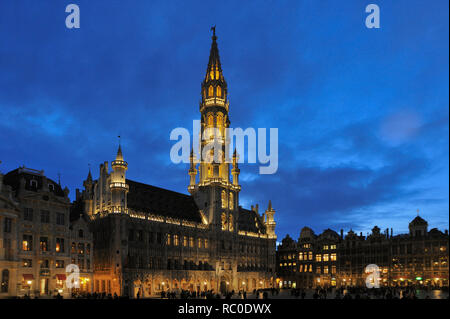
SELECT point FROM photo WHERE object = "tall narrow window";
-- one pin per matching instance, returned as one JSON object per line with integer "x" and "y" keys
{"x": 44, "y": 244}
{"x": 211, "y": 91}
{"x": 7, "y": 225}
{"x": 210, "y": 120}
{"x": 5, "y": 281}
{"x": 231, "y": 201}
{"x": 27, "y": 242}
{"x": 219, "y": 118}
{"x": 224, "y": 199}
{"x": 219, "y": 91}
{"x": 210, "y": 171}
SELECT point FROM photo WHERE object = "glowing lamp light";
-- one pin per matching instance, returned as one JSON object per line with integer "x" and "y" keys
{"x": 29, "y": 282}
{"x": 418, "y": 278}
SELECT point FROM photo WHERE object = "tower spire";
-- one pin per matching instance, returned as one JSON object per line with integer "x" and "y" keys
{"x": 119, "y": 156}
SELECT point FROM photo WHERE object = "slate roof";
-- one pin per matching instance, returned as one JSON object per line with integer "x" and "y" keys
{"x": 418, "y": 221}
{"x": 163, "y": 202}
{"x": 13, "y": 179}
{"x": 249, "y": 221}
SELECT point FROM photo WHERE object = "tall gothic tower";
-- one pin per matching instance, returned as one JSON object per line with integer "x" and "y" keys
{"x": 118, "y": 185}
{"x": 215, "y": 192}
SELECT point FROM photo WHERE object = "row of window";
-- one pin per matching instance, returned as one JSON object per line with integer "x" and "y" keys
{"x": 28, "y": 215}
{"x": 310, "y": 256}
{"x": 44, "y": 245}
{"x": 174, "y": 240}
{"x": 309, "y": 268}
{"x": 170, "y": 239}
{"x": 45, "y": 263}
{"x": 218, "y": 91}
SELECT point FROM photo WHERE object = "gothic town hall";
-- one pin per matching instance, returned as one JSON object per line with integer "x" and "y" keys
{"x": 148, "y": 239}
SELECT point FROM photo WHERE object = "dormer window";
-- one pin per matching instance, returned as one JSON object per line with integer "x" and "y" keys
{"x": 33, "y": 183}
{"x": 51, "y": 187}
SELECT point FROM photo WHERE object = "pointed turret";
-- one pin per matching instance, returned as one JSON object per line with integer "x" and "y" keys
{"x": 235, "y": 171}
{"x": 270, "y": 220}
{"x": 89, "y": 177}
{"x": 119, "y": 187}
{"x": 214, "y": 86}
{"x": 192, "y": 172}
{"x": 119, "y": 156}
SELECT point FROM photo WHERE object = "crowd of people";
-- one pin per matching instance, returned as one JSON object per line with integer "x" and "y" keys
{"x": 360, "y": 293}
{"x": 210, "y": 294}
{"x": 297, "y": 293}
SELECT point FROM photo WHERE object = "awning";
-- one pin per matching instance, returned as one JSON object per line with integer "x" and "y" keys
{"x": 61, "y": 276}
{"x": 28, "y": 277}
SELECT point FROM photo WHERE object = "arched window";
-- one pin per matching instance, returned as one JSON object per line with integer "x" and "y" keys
{"x": 210, "y": 120}
{"x": 224, "y": 199}
{"x": 219, "y": 91}
{"x": 5, "y": 281}
{"x": 217, "y": 72}
{"x": 219, "y": 118}
{"x": 231, "y": 204}
{"x": 210, "y": 171}
{"x": 211, "y": 73}
{"x": 211, "y": 91}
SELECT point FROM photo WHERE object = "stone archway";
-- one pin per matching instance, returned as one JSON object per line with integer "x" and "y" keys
{"x": 224, "y": 285}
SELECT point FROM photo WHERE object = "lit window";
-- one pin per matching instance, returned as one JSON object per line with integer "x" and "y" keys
{"x": 333, "y": 257}
{"x": 333, "y": 269}
{"x": 211, "y": 91}
{"x": 44, "y": 243}
{"x": 300, "y": 256}
{"x": 318, "y": 258}
{"x": 333, "y": 247}
{"x": 59, "y": 248}
{"x": 310, "y": 255}
{"x": 325, "y": 269}
{"x": 325, "y": 257}
{"x": 231, "y": 203}
{"x": 27, "y": 243}
{"x": 224, "y": 199}
{"x": 219, "y": 91}
{"x": 325, "y": 247}
{"x": 217, "y": 72}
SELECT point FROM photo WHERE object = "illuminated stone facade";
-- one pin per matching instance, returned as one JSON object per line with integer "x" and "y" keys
{"x": 332, "y": 259}
{"x": 37, "y": 235}
{"x": 148, "y": 239}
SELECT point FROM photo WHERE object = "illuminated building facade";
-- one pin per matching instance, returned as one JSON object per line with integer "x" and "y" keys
{"x": 148, "y": 239}
{"x": 332, "y": 259}
{"x": 36, "y": 235}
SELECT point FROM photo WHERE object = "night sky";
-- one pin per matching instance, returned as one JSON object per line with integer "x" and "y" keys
{"x": 362, "y": 113}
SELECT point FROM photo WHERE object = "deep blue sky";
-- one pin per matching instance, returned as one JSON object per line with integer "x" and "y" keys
{"x": 362, "y": 113}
